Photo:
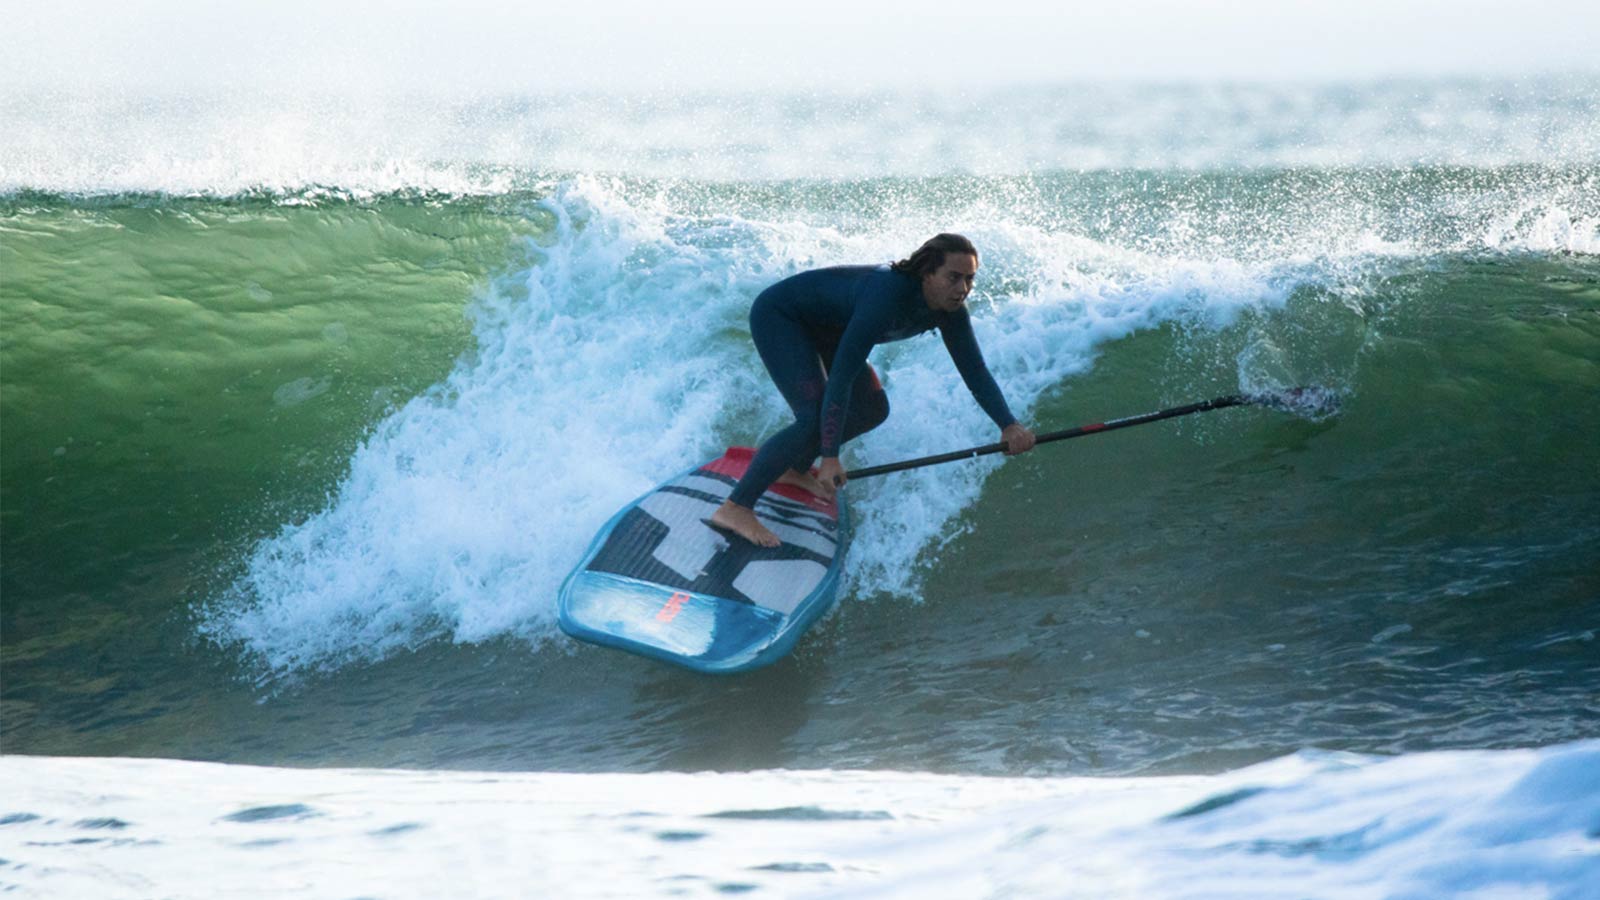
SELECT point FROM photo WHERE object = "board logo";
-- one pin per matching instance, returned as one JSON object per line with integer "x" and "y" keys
{"x": 672, "y": 607}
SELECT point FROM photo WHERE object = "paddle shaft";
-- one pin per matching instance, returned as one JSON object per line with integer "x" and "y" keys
{"x": 1064, "y": 434}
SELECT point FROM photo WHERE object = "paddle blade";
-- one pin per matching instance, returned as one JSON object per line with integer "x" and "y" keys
{"x": 1313, "y": 402}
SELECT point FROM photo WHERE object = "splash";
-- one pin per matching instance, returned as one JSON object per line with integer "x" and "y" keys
{"x": 621, "y": 356}
{"x": 596, "y": 370}
{"x": 1313, "y": 402}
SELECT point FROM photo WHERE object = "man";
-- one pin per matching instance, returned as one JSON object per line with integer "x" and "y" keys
{"x": 814, "y": 330}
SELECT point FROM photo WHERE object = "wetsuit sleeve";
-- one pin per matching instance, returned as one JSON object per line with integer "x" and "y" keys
{"x": 867, "y": 324}
{"x": 956, "y": 329}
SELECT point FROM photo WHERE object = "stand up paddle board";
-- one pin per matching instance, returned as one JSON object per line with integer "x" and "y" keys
{"x": 660, "y": 581}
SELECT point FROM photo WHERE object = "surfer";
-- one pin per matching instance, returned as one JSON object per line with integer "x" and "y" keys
{"x": 814, "y": 330}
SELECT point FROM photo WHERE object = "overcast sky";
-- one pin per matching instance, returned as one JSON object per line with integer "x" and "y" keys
{"x": 478, "y": 45}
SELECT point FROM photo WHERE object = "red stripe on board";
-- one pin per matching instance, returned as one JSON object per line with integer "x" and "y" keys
{"x": 734, "y": 463}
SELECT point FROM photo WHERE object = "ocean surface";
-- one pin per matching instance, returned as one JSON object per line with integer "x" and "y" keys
{"x": 308, "y": 403}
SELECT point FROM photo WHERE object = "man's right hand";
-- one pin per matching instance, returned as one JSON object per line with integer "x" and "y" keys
{"x": 831, "y": 475}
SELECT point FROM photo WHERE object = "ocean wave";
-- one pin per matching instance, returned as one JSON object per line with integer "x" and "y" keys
{"x": 619, "y": 356}
{"x": 342, "y": 432}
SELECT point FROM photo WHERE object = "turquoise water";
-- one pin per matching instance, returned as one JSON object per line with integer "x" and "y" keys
{"x": 290, "y": 472}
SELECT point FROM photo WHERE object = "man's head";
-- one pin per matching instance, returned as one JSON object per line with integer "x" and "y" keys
{"x": 946, "y": 266}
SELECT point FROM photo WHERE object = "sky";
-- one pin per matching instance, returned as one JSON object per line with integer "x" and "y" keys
{"x": 478, "y": 45}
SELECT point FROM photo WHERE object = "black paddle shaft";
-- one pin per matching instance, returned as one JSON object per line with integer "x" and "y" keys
{"x": 1064, "y": 434}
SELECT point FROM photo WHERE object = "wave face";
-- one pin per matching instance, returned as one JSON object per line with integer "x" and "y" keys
{"x": 312, "y": 437}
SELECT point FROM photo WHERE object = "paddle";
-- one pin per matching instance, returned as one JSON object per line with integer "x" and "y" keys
{"x": 1311, "y": 402}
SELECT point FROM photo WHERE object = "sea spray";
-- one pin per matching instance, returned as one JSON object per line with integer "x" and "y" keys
{"x": 459, "y": 516}
{"x": 619, "y": 355}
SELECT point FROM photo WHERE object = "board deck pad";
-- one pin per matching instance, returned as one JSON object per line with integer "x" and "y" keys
{"x": 660, "y": 580}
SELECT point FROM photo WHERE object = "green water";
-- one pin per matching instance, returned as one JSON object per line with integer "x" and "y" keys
{"x": 183, "y": 377}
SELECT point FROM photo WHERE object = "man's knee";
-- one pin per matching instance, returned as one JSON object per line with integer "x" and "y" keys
{"x": 876, "y": 409}
{"x": 866, "y": 413}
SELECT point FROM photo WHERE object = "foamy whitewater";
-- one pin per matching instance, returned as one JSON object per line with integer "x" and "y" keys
{"x": 312, "y": 401}
{"x": 1463, "y": 824}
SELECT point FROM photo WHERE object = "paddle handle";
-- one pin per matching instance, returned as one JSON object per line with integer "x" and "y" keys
{"x": 1064, "y": 434}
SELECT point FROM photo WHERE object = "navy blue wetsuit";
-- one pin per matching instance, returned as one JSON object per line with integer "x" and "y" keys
{"x": 813, "y": 331}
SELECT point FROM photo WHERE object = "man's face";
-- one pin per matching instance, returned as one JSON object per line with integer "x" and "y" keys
{"x": 946, "y": 288}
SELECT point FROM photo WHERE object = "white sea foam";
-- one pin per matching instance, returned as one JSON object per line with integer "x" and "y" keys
{"x": 1514, "y": 823}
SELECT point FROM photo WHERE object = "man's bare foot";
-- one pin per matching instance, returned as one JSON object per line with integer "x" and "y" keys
{"x": 742, "y": 521}
{"x": 805, "y": 481}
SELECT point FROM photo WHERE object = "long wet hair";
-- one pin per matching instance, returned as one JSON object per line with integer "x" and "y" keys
{"x": 930, "y": 256}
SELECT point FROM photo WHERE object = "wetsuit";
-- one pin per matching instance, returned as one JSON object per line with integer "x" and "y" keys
{"x": 813, "y": 331}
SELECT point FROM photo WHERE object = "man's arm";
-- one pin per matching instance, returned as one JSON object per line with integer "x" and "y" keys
{"x": 956, "y": 329}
